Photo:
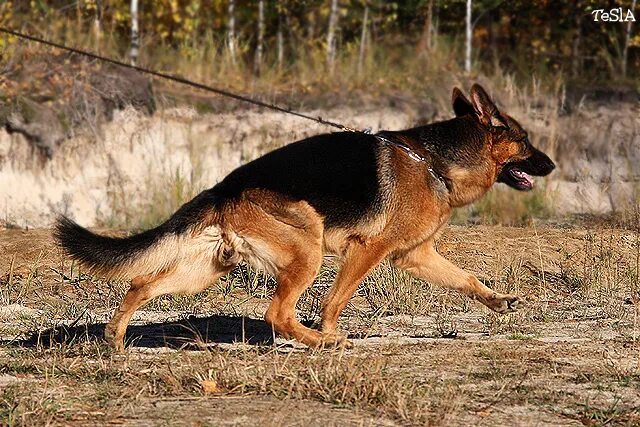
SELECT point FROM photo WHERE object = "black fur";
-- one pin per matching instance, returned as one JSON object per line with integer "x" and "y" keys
{"x": 337, "y": 174}
{"x": 191, "y": 212}
{"x": 456, "y": 141}
{"x": 461, "y": 105}
{"x": 537, "y": 163}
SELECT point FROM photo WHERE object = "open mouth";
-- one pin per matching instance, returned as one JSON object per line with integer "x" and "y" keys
{"x": 514, "y": 175}
{"x": 516, "y": 178}
{"x": 523, "y": 181}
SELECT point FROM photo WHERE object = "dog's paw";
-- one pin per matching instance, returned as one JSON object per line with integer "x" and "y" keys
{"x": 110, "y": 337}
{"x": 346, "y": 344}
{"x": 505, "y": 303}
{"x": 335, "y": 341}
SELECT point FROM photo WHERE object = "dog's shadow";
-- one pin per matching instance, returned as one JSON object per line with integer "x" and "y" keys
{"x": 190, "y": 333}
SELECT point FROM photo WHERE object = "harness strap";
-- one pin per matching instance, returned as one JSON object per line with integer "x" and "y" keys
{"x": 413, "y": 155}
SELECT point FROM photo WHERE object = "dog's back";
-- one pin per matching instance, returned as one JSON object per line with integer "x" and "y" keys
{"x": 338, "y": 174}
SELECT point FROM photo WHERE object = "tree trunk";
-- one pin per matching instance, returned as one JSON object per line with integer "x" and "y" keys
{"x": 331, "y": 34}
{"x": 135, "y": 35}
{"x": 575, "y": 47}
{"x": 493, "y": 37}
{"x": 231, "y": 37}
{"x": 625, "y": 49}
{"x": 436, "y": 25}
{"x": 97, "y": 23}
{"x": 468, "y": 32}
{"x": 363, "y": 38}
{"x": 311, "y": 25}
{"x": 257, "y": 66}
{"x": 280, "y": 42}
{"x": 424, "y": 44}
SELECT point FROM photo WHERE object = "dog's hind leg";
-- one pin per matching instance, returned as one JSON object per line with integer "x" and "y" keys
{"x": 292, "y": 280}
{"x": 185, "y": 278}
{"x": 424, "y": 262}
{"x": 284, "y": 238}
{"x": 142, "y": 289}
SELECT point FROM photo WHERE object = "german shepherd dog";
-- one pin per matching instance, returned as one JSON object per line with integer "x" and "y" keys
{"x": 363, "y": 197}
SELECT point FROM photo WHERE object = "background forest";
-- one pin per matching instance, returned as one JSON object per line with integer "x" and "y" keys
{"x": 362, "y": 44}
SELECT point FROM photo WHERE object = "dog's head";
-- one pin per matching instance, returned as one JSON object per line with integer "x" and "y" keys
{"x": 517, "y": 160}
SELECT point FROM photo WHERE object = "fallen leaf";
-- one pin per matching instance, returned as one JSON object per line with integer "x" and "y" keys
{"x": 210, "y": 386}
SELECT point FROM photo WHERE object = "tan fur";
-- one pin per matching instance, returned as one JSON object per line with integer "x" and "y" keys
{"x": 470, "y": 185}
{"x": 338, "y": 241}
{"x": 161, "y": 256}
{"x": 359, "y": 259}
{"x": 206, "y": 245}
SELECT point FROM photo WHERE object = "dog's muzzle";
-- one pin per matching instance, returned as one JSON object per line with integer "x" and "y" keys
{"x": 519, "y": 174}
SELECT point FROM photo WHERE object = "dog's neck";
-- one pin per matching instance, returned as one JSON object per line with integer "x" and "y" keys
{"x": 460, "y": 151}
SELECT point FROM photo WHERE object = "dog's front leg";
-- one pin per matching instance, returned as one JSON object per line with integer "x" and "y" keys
{"x": 358, "y": 261}
{"x": 426, "y": 263}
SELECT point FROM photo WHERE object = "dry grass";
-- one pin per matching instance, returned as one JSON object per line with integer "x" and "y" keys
{"x": 577, "y": 338}
{"x": 84, "y": 380}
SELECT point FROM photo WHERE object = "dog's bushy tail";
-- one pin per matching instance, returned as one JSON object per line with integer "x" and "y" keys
{"x": 148, "y": 252}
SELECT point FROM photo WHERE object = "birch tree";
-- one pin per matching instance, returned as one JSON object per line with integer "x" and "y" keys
{"x": 435, "y": 26}
{"x": 231, "y": 27}
{"x": 280, "y": 39}
{"x": 363, "y": 37}
{"x": 575, "y": 45}
{"x": 625, "y": 49}
{"x": 487, "y": 6}
{"x": 97, "y": 22}
{"x": 331, "y": 34}
{"x": 468, "y": 37}
{"x": 257, "y": 65}
{"x": 425, "y": 43}
{"x": 135, "y": 36}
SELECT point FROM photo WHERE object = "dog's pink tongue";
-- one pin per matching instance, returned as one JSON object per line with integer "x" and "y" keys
{"x": 524, "y": 176}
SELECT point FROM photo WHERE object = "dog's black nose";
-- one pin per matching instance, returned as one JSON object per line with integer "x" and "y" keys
{"x": 552, "y": 166}
{"x": 539, "y": 164}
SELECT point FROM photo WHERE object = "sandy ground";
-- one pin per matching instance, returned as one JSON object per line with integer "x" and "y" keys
{"x": 570, "y": 357}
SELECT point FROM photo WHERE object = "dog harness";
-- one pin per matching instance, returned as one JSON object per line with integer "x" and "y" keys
{"x": 413, "y": 155}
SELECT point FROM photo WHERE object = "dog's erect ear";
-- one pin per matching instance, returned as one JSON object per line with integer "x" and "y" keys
{"x": 485, "y": 109}
{"x": 461, "y": 105}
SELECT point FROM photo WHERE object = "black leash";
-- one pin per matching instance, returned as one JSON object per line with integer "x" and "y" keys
{"x": 177, "y": 79}
{"x": 415, "y": 156}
